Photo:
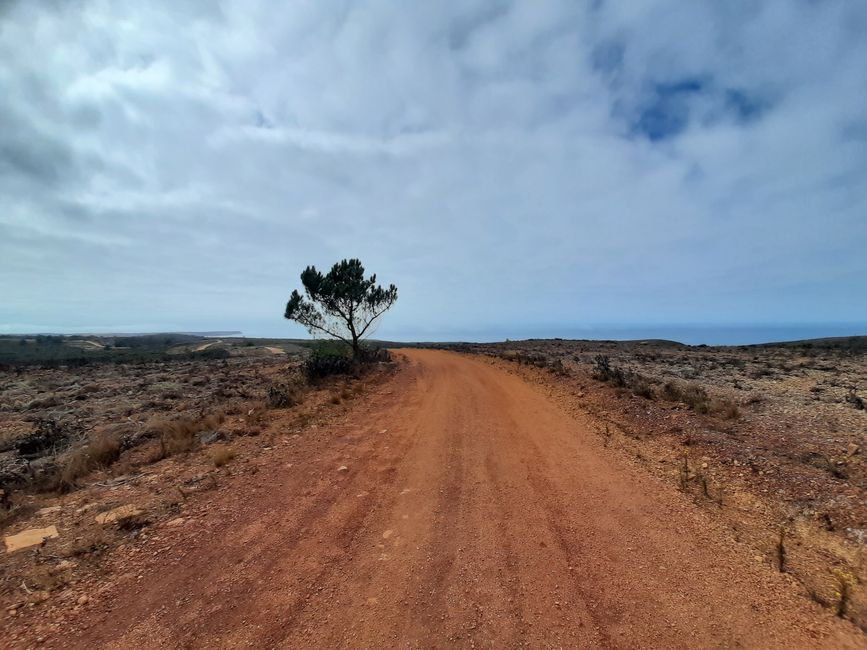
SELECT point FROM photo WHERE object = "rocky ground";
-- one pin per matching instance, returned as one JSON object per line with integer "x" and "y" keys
{"x": 772, "y": 438}
{"x": 105, "y": 464}
{"x": 95, "y": 457}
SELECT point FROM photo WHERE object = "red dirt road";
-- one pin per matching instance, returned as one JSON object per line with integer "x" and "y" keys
{"x": 473, "y": 512}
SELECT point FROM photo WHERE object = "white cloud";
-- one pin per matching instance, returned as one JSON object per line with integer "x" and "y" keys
{"x": 502, "y": 162}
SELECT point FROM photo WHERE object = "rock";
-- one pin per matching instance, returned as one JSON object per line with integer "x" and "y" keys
{"x": 83, "y": 599}
{"x": 118, "y": 514}
{"x": 63, "y": 565}
{"x": 29, "y": 537}
{"x": 209, "y": 437}
{"x": 853, "y": 449}
{"x": 177, "y": 521}
{"x": 50, "y": 510}
{"x": 343, "y": 468}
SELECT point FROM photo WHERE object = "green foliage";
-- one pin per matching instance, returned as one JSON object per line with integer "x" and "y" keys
{"x": 328, "y": 358}
{"x": 342, "y": 303}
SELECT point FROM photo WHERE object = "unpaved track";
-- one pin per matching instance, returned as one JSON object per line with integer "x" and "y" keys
{"x": 483, "y": 516}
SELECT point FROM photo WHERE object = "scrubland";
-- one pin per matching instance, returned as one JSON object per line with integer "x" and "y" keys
{"x": 770, "y": 438}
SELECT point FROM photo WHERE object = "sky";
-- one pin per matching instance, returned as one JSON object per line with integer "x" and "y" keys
{"x": 515, "y": 168}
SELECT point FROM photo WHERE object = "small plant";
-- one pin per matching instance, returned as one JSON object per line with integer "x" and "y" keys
{"x": 178, "y": 436}
{"x": 856, "y": 401}
{"x": 697, "y": 399}
{"x": 726, "y": 409}
{"x": 100, "y": 451}
{"x": 221, "y": 455}
{"x": 845, "y": 585}
{"x": 781, "y": 550}
{"x": 702, "y": 479}
{"x": 280, "y": 397}
{"x": 558, "y": 368}
{"x": 328, "y": 358}
{"x": 642, "y": 387}
{"x": 604, "y": 371}
{"x": 683, "y": 474}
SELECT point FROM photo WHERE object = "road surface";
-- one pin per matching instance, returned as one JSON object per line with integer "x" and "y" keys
{"x": 457, "y": 506}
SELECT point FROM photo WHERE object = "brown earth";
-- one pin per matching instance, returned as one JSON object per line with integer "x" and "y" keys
{"x": 457, "y": 505}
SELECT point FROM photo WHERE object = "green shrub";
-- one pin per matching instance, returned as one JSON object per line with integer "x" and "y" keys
{"x": 328, "y": 358}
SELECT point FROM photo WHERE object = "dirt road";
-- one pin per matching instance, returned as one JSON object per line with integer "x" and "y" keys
{"x": 457, "y": 506}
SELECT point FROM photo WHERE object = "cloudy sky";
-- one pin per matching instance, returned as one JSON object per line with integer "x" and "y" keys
{"x": 514, "y": 167}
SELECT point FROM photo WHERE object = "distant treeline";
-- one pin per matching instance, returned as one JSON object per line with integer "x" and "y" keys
{"x": 52, "y": 351}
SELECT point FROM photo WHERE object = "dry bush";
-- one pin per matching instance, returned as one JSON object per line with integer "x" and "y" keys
{"x": 695, "y": 397}
{"x": 99, "y": 452}
{"x": 282, "y": 396}
{"x": 257, "y": 416}
{"x": 235, "y": 407}
{"x": 558, "y": 367}
{"x": 726, "y": 409}
{"x": 221, "y": 454}
{"x": 182, "y": 434}
{"x": 641, "y": 387}
{"x": 699, "y": 401}
{"x": 45, "y": 579}
{"x": 604, "y": 371}
{"x": 43, "y": 403}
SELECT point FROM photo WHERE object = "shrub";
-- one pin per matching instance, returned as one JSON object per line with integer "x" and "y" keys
{"x": 50, "y": 436}
{"x": 369, "y": 354}
{"x": 100, "y": 451}
{"x": 641, "y": 387}
{"x": 695, "y": 397}
{"x": 282, "y": 397}
{"x": 328, "y": 358}
{"x": 558, "y": 368}
{"x": 177, "y": 436}
{"x": 726, "y": 409}
{"x": 604, "y": 371}
{"x": 221, "y": 455}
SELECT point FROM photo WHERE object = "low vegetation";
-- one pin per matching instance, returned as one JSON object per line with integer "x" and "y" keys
{"x": 103, "y": 450}
{"x": 182, "y": 434}
{"x": 771, "y": 437}
{"x": 690, "y": 394}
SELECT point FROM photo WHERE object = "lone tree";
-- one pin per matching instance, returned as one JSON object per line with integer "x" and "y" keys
{"x": 341, "y": 303}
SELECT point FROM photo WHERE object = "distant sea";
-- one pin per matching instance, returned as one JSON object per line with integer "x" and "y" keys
{"x": 689, "y": 334}
{"x": 721, "y": 334}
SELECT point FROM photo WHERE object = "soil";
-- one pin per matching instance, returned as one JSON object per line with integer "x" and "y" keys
{"x": 455, "y": 503}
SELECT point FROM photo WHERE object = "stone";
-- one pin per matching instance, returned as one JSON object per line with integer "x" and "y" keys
{"x": 83, "y": 599}
{"x": 50, "y": 510}
{"x": 209, "y": 437}
{"x": 343, "y": 468}
{"x": 29, "y": 537}
{"x": 118, "y": 514}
